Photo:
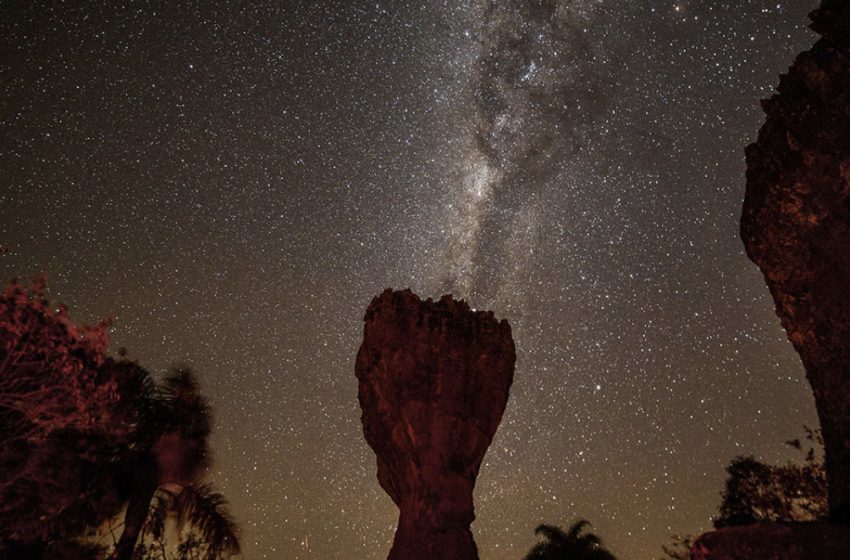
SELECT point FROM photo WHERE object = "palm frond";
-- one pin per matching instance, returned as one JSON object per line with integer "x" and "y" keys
{"x": 181, "y": 380}
{"x": 552, "y": 533}
{"x": 206, "y": 511}
{"x": 540, "y": 551}
{"x": 599, "y": 554}
{"x": 190, "y": 408}
{"x": 161, "y": 504}
{"x": 576, "y": 528}
{"x": 588, "y": 540}
{"x": 573, "y": 544}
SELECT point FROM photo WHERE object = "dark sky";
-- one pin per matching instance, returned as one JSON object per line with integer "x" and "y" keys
{"x": 235, "y": 183}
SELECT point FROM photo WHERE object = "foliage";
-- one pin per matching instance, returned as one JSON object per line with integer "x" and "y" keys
{"x": 199, "y": 506}
{"x": 678, "y": 549}
{"x": 757, "y": 492}
{"x": 82, "y": 435}
{"x": 173, "y": 452}
{"x": 204, "y": 527}
{"x": 49, "y": 377}
{"x": 572, "y": 544}
{"x": 57, "y": 418}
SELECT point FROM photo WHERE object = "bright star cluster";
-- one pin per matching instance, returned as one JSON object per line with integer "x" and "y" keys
{"x": 234, "y": 182}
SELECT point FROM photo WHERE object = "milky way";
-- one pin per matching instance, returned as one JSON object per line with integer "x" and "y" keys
{"x": 234, "y": 182}
{"x": 536, "y": 84}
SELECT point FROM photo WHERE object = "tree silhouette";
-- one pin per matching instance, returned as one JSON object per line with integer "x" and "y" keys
{"x": 58, "y": 407}
{"x": 203, "y": 522}
{"x": 168, "y": 464}
{"x": 756, "y": 491}
{"x": 49, "y": 368}
{"x": 572, "y": 544}
{"x": 679, "y": 548}
{"x": 82, "y": 435}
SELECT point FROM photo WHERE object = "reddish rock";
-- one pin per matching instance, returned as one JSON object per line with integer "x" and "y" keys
{"x": 433, "y": 384}
{"x": 774, "y": 541}
{"x": 796, "y": 226}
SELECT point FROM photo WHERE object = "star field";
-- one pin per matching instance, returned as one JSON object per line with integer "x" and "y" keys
{"x": 234, "y": 183}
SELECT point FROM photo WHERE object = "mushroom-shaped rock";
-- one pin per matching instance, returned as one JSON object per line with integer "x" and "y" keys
{"x": 433, "y": 384}
{"x": 796, "y": 226}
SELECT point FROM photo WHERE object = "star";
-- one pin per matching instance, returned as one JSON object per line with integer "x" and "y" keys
{"x": 235, "y": 182}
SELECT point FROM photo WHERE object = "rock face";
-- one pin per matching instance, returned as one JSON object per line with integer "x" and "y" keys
{"x": 796, "y": 226}
{"x": 774, "y": 541}
{"x": 433, "y": 384}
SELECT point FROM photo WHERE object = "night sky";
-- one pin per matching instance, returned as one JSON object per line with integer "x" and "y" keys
{"x": 234, "y": 183}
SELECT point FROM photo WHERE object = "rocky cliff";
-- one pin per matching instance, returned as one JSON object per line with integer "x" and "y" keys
{"x": 433, "y": 384}
{"x": 796, "y": 226}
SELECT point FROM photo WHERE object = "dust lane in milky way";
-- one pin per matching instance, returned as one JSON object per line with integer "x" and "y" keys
{"x": 235, "y": 183}
{"x": 536, "y": 85}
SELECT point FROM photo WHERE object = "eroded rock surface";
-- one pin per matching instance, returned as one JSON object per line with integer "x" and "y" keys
{"x": 796, "y": 226}
{"x": 433, "y": 384}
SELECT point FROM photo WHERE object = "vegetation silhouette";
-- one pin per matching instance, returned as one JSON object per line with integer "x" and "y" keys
{"x": 679, "y": 548}
{"x": 206, "y": 530}
{"x": 758, "y": 492}
{"x": 169, "y": 463}
{"x": 83, "y": 434}
{"x": 572, "y": 544}
{"x": 59, "y": 424}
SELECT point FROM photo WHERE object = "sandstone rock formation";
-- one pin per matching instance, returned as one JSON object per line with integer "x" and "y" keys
{"x": 774, "y": 541}
{"x": 433, "y": 384}
{"x": 796, "y": 226}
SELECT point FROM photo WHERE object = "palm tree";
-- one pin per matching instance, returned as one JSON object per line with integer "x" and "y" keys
{"x": 165, "y": 472}
{"x": 573, "y": 544}
{"x": 203, "y": 522}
